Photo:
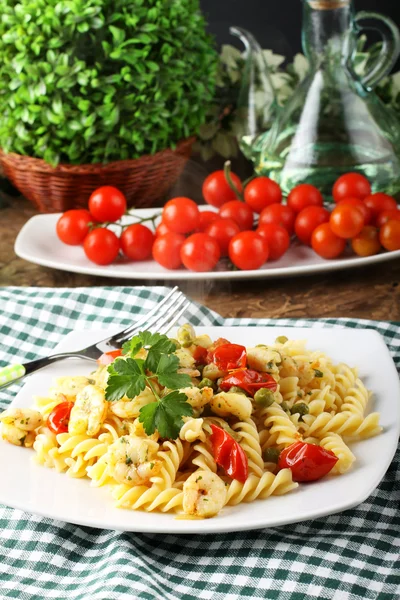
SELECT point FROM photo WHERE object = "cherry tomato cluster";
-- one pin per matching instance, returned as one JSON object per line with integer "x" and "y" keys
{"x": 197, "y": 240}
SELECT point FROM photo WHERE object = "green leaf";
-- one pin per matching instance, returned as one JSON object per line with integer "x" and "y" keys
{"x": 166, "y": 415}
{"x": 126, "y": 379}
{"x": 167, "y": 373}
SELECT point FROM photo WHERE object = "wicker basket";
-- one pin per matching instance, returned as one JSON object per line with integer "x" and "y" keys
{"x": 144, "y": 180}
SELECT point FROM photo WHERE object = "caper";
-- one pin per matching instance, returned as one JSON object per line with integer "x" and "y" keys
{"x": 300, "y": 408}
{"x": 271, "y": 455}
{"x": 205, "y": 382}
{"x": 285, "y": 406}
{"x": 282, "y": 339}
{"x": 264, "y": 397}
{"x": 175, "y": 341}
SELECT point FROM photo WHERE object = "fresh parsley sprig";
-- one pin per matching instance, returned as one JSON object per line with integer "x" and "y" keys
{"x": 128, "y": 376}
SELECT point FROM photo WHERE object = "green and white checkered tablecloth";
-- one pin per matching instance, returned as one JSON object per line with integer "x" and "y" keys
{"x": 348, "y": 556}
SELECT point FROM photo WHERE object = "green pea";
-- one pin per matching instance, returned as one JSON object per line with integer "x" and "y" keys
{"x": 300, "y": 408}
{"x": 264, "y": 397}
{"x": 285, "y": 406}
{"x": 205, "y": 382}
{"x": 282, "y": 339}
{"x": 271, "y": 455}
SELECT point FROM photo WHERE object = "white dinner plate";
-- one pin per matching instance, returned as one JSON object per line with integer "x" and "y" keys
{"x": 37, "y": 489}
{"x": 38, "y": 243}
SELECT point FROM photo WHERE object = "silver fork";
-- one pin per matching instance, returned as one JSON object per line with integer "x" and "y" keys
{"x": 159, "y": 319}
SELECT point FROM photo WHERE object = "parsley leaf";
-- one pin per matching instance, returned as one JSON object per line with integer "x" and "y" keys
{"x": 166, "y": 415}
{"x": 126, "y": 379}
{"x": 167, "y": 375}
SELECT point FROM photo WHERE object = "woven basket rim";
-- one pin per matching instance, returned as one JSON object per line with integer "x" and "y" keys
{"x": 40, "y": 165}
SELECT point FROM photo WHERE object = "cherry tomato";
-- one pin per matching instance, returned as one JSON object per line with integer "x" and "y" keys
{"x": 261, "y": 192}
{"x": 389, "y": 235}
{"x": 366, "y": 243}
{"x": 167, "y": 250}
{"x": 367, "y": 213}
{"x": 304, "y": 195}
{"x": 216, "y": 189}
{"x": 229, "y": 454}
{"x": 248, "y": 250}
{"x": 162, "y": 229}
{"x": 229, "y": 356}
{"x": 248, "y": 380}
{"x": 206, "y": 218}
{"x": 107, "y": 203}
{"x": 377, "y": 203}
{"x": 351, "y": 185}
{"x": 279, "y": 214}
{"x": 346, "y": 221}
{"x": 387, "y": 215}
{"x": 58, "y": 419}
{"x": 137, "y": 242}
{"x": 325, "y": 243}
{"x": 223, "y": 230}
{"x": 200, "y": 355}
{"x": 307, "y": 220}
{"x": 101, "y": 246}
{"x": 73, "y": 226}
{"x": 277, "y": 237}
{"x": 200, "y": 252}
{"x": 308, "y": 462}
{"x": 181, "y": 215}
{"x": 108, "y": 357}
{"x": 239, "y": 212}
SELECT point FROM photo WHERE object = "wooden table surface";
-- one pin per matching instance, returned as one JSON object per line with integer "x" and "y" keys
{"x": 371, "y": 292}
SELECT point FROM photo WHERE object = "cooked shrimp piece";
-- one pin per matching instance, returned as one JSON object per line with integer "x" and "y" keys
{"x": 196, "y": 397}
{"x": 263, "y": 358}
{"x": 204, "y": 494}
{"x": 89, "y": 411}
{"x": 133, "y": 460}
{"x": 19, "y": 424}
{"x": 186, "y": 360}
{"x": 231, "y": 403}
{"x": 129, "y": 409}
{"x": 69, "y": 386}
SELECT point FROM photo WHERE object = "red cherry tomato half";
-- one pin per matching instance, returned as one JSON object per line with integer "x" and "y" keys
{"x": 308, "y": 220}
{"x": 377, "y": 203}
{"x": 222, "y": 231}
{"x": 206, "y": 218}
{"x": 389, "y": 235}
{"x": 387, "y": 215}
{"x": 167, "y": 250}
{"x": 325, "y": 243}
{"x": 346, "y": 221}
{"x": 162, "y": 229}
{"x": 307, "y": 462}
{"x": 101, "y": 246}
{"x": 367, "y": 214}
{"x": 277, "y": 237}
{"x": 248, "y": 380}
{"x": 261, "y": 192}
{"x": 108, "y": 357}
{"x": 181, "y": 215}
{"x": 73, "y": 226}
{"x": 216, "y": 189}
{"x": 137, "y": 242}
{"x": 239, "y": 212}
{"x": 304, "y": 195}
{"x": 200, "y": 252}
{"x": 200, "y": 355}
{"x": 229, "y": 356}
{"x": 58, "y": 419}
{"x": 248, "y": 250}
{"x": 351, "y": 185}
{"x": 107, "y": 203}
{"x": 279, "y": 214}
{"x": 229, "y": 454}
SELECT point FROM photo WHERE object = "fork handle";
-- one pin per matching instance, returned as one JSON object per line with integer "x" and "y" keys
{"x": 12, "y": 373}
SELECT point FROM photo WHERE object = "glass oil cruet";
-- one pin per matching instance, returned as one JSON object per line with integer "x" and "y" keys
{"x": 334, "y": 122}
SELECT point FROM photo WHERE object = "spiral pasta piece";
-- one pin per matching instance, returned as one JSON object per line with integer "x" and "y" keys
{"x": 192, "y": 430}
{"x": 204, "y": 459}
{"x": 260, "y": 487}
{"x": 250, "y": 442}
{"x": 150, "y": 499}
{"x": 345, "y": 424}
{"x": 46, "y": 451}
{"x": 170, "y": 455}
{"x": 335, "y": 444}
{"x": 279, "y": 422}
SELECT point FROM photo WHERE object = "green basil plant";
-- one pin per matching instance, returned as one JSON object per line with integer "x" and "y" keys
{"x": 92, "y": 81}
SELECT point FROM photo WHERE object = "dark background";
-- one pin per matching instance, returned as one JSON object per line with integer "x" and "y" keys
{"x": 275, "y": 23}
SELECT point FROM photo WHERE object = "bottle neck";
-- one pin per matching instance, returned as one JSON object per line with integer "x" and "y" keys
{"x": 326, "y": 27}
